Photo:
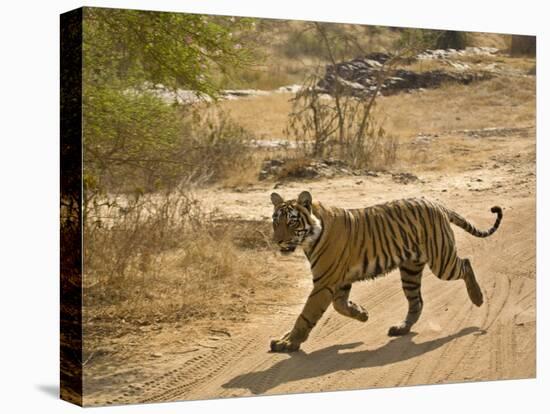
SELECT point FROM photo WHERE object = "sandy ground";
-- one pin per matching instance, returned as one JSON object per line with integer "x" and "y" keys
{"x": 454, "y": 341}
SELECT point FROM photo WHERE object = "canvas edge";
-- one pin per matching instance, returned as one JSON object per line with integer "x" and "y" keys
{"x": 71, "y": 383}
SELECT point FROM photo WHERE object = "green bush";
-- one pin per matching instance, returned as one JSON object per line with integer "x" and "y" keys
{"x": 523, "y": 45}
{"x": 136, "y": 143}
{"x": 451, "y": 39}
{"x": 304, "y": 43}
{"x": 131, "y": 141}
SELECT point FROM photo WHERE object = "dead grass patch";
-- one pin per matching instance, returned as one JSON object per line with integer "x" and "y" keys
{"x": 483, "y": 39}
{"x": 170, "y": 263}
{"x": 494, "y": 103}
{"x": 502, "y": 101}
{"x": 267, "y": 116}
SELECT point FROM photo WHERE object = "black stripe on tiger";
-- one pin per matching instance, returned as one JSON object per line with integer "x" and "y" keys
{"x": 310, "y": 324}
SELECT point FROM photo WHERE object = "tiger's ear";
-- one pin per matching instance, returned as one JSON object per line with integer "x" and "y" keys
{"x": 304, "y": 199}
{"x": 276, "y": 199}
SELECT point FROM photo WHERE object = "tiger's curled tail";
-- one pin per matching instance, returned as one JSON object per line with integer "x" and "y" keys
{"x": 464, "y": 224}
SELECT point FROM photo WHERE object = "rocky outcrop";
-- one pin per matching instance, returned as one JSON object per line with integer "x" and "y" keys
{"x": 360, "y": 77}
{"x": 296, "y": 169}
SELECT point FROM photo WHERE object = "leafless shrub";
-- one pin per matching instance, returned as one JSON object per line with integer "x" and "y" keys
{"x": 341, "y": 125}
{"x": 160, "y": 257}
{"x": 215, "y": 146}
{"x": 125, "y": 236}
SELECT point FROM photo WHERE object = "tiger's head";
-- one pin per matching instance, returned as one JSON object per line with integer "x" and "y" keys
{"x": 294, "y": 222}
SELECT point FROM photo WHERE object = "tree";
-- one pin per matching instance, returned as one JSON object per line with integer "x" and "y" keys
{"x": 133, "y": 141}
{"x": 523, "y": 45}
{"x": 434, "y": 39}
{"x": 177, "y": 50}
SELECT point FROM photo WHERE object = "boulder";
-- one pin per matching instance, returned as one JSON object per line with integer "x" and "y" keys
{"x": 359, "y": 77}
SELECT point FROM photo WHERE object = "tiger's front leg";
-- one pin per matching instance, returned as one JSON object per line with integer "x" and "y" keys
{"x": 317, "y": 303}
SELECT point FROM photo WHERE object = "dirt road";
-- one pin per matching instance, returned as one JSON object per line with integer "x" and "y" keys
{"x": 453, "y": 341}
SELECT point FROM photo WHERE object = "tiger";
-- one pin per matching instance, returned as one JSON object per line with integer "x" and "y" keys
{"x": 344, "y": 246}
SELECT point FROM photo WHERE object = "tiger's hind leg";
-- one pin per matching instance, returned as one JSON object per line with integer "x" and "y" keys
{"x": 411, "y": 276}
{"x": 344, "y": 306}
{"x": 456, "y": 268}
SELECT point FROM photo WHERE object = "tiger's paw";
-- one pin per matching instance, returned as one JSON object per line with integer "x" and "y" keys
{"x": 283, "y": 345}
{"x": 474, "y": 291}
{"x": 362, "y": 316}
{"x": 399, "y": 330}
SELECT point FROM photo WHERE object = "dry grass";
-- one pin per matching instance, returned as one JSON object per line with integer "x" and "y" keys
{"x": 159, "y": 272}
{"x": 498, "y": 102}
{"x": 267, "y": 116}
{"x": 505, "y": 101}
{"x": 468, "y": 106}
{"x": 164, "y": 260}
{"x": 289, "y": 50}
{"x": 495, "y": 103}
{"x": 216, "y": 277}
{"x": 245, "y": 175}
{"x": 518, "y": 65}
{"x": 275, "y": 71}
{"x": 500, "y": 41}
{"x": 200, "y": 279}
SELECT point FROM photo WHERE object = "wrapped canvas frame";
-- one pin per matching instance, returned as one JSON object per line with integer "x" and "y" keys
{"x": 72, "y": 360}
{"x": 71, "y": 202}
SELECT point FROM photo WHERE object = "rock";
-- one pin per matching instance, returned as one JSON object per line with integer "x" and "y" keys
{"x": 156, "y": 355}
{"x": 307, "y": 169}
{"x": 269, "y": 168}
{"x": 378, "y": 57}
{"x": 243, "y": 93}
{"x": 453, "y": 53}
{"x": 359, "y": 77}
{"x": 289, "y": 88}
{"x": 404, "y": 178}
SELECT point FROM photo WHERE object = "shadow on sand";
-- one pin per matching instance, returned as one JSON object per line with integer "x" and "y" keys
{"x": 325, "y": 361}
